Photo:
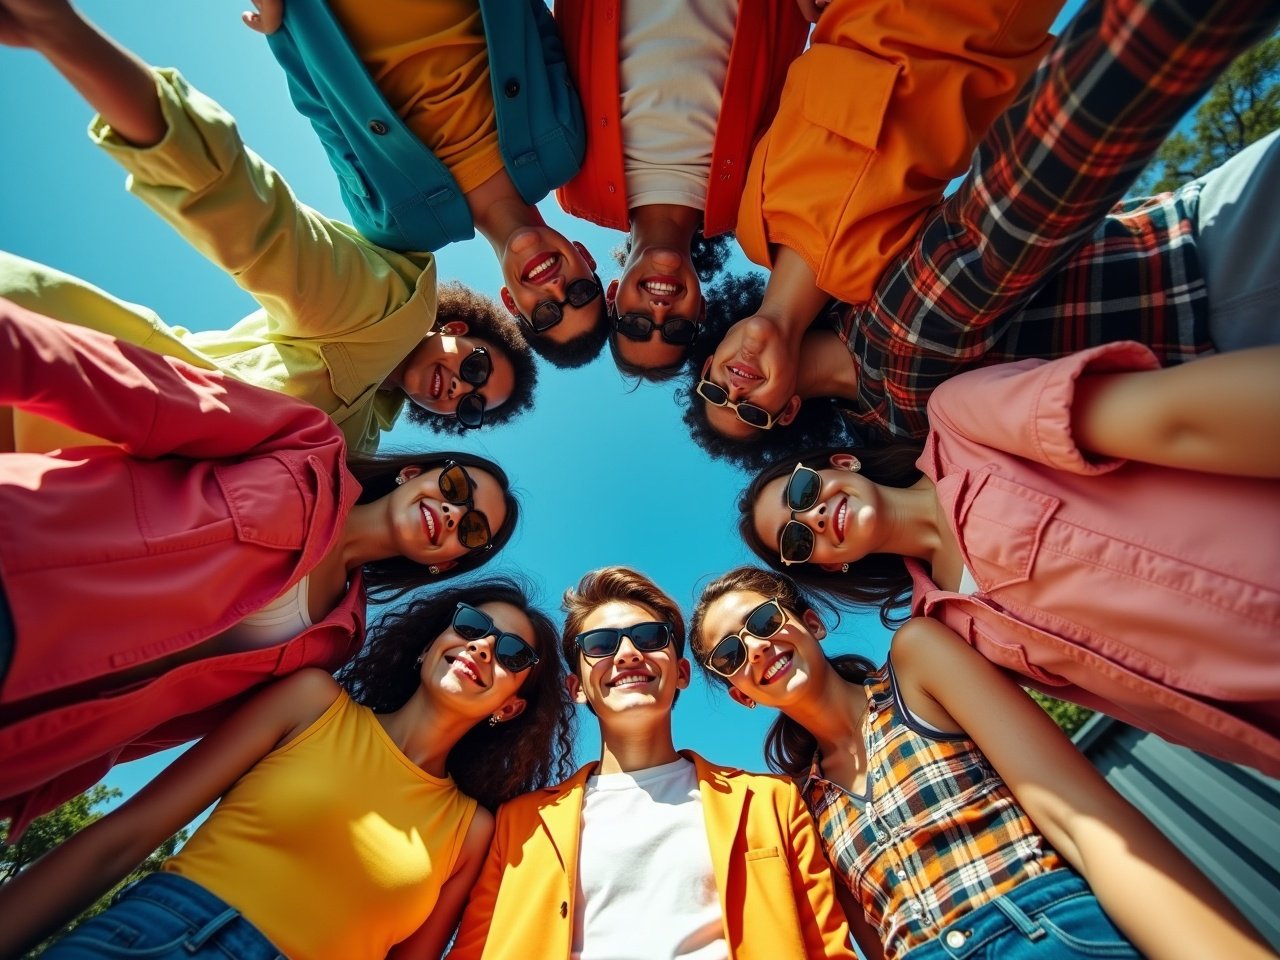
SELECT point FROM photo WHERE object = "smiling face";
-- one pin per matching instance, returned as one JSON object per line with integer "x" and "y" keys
{"x": 658, "y": 283}
{"x": 539, "y": 264}
{"x": 631, "y": 686}
{"x": 753, "y": 364}
{"x": 431, "y": 375}
{"x": 778, "y": 670}
{"x": 424, "y": 523}
{"x": 847, "y": 520}
{"x": 466, "y": 674}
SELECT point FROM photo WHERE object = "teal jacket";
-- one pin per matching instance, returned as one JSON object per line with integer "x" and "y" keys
{"x": 398, "y": 193}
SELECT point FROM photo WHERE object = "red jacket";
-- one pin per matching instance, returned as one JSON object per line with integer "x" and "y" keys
{"x": 219, "y": 496}
{"x": 769, "y": 34}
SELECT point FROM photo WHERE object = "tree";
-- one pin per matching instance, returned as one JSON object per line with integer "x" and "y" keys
{"x": 1242, "y": 107}
{"x": 58, "y": 825}
{"x": 1069, "y": 716}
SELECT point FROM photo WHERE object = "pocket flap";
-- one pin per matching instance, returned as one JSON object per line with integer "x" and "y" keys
{"x": 1001, "y": 527}
{"x": 828, "y": 73}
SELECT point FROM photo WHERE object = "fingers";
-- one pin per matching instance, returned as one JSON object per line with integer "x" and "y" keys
{"x": 267, "y": 18}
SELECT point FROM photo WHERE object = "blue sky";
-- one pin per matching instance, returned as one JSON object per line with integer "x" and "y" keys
{"x": 607, "y": 473}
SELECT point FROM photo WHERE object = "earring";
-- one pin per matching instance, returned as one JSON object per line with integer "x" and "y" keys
{"x": 493, "y": 720}
{"x": 751, "y": 704}
{"x": 399, "y": 481}
{"x": 844, "y": 568}
{"x": 433, "y": 569}
{"x": 418, "y": 663}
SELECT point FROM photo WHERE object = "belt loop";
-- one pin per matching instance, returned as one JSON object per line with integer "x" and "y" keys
{"x": 205, "y": 933}
{"x": 1031, "y": 929}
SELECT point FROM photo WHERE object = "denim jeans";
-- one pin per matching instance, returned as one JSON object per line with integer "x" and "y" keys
{"x": 1053, "y": 916}
{"x": 166, "y": 916}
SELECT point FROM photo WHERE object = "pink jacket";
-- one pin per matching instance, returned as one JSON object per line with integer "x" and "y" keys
{"x": 219, "y": 497}
{"x": 1149, "y": 593}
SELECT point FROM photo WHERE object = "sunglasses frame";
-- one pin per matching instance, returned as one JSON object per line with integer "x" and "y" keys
{"x": 469, "y": 399}
{"x": 770, "y": 419}
{"x": 498, "y": 637}
{"x": 469, "y": 501}
{"x": 786, "y": 502}
{"x": 559, "y": 305}
{"x": 662, "y": 330}
{"x": 620, "y": 632}
{"x": 742, "y": 644}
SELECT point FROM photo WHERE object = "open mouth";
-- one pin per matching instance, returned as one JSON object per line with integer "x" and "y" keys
{"x": 839, "y": 518}
{"x": 776, "y": 669}
{"x": 663, "y": 288}
{"x": 430, "y": 523}
{"x": 541, "y": 268}
{"x": 743, "y": 374}
{"x": 466, "y": 668}
{"x": 437, "y": 383}
{"x": 631, "y": 680}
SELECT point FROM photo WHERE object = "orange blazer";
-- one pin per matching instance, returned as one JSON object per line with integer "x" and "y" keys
{"x": 774, "y": 883}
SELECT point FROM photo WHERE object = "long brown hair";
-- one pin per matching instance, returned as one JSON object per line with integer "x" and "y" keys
{"x": 788, "y": 747}
{"x": 391, "y": 578}
{"x": 878, "y": 579}
{"x": 491, "y": 763}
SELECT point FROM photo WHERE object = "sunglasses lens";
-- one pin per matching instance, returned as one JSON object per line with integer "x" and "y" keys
{"x": 470, "y": 623}
{"x": 679, "y": 331}
{"x": 473, "y": 530}
{"x": 476, "y": 368}
{"x": 599, "y": 643}
{"x": 582, "y": 291}
{"x": 796, "y": 543}
{"x": 633, "y": 326}
{"x": 470, "y": 412}
{"x": 765, "y": 620}
{"x": 728, "y": 656}
{"x": 454, "y": 484}
{"x": 649, "y": 636}
{"x": 756, "y": 416}
{"x": 545, "y": 316}
{"x": 712, "y": 393}
{"x": 514, "y": 654}
{"x": 803, "y": 488}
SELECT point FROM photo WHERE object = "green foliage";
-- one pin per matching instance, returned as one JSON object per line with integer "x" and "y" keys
{"x": 1069, "y": 716}
{"x": 1242, "y": 107}
{"x": 59, "y": 825}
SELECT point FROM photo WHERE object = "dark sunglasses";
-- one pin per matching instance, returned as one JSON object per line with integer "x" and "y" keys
{"x": 795, "y": 542}
{"x": 748, "y": 413}
{"x": 728, "y": 656}
{"x": 678, "y": 331}
{"x": 458, "y": 488}
{"x": 475, "y": 370}
{"x": 547, "y": 313}
{"x": 508, "y": 649}
{"x": 604, "y": 641}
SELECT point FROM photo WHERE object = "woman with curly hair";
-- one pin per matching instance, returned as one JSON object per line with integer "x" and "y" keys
{"x": 1099, "y": 526}
{"x": 225, "y": 541}
{"x": 351, "y": 820}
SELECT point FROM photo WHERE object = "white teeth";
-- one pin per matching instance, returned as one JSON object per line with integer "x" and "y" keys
{"x": 629, "y": 681}
{"x": 436, "y": 383}
{"x": 542, "y": 268}
{"x": 660, "y": 289}
{"x": 777, "y": 666}
{"x": 431, "y": 523}
{"x": 739, "y": 372}
{"x": 841, "y": 511}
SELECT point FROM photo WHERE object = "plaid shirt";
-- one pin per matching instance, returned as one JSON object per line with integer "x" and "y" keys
{"x": 1002, "y": 270}
{"x": 939, "y": 834}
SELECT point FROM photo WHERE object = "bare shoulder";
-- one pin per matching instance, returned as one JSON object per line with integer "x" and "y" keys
{"x": 479, "y": 833}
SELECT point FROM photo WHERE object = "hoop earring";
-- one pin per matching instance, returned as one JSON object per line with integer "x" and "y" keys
{"x": 844, "y": 568}
{"x": 434, "y": 570}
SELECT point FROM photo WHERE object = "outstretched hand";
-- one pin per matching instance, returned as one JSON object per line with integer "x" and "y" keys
{"x": 266, "y": 19}
{"x": 24, "y": 23}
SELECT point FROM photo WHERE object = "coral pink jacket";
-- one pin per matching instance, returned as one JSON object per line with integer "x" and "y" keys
{"x": 219, "y": 496}
{"x": 1149, "y": 593}
{"x": 769, "y": 34}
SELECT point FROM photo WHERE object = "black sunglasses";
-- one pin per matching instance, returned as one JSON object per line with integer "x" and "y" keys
{"x": 508, "y": 649}
{"x": 748, "y": 413}
{"x": 604, "y": 641}
{"x": 795, "y": 542}
{"x": 728, "y": 656}
{"x": 458, "y": 488}
{"x": 475, "y": 370}
{"x": 678, "y": 331}
{"x": 547, "y": 313}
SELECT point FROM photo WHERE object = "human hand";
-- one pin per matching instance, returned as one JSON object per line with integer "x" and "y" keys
{"x": 812, "y": 9}
{"x": 27, "y": 23}
{"x": 266, "y": 19}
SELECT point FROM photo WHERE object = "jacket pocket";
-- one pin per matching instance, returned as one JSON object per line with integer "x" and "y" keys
{"x": 763, "y": 853}
{"x": 266, "y": 505}
{"x": 1004, "y": 650}
{"x": 825, "y": 68}
{"x": 1001, "y": 528}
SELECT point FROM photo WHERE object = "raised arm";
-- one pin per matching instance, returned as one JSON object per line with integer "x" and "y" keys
{"x": 1148, "y": 888}
{"x": 51, "y": 892}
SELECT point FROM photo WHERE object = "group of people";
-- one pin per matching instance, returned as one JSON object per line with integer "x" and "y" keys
{"x": 1022, "y": 422}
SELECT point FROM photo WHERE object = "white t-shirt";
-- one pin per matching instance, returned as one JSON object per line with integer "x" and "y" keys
{"x": 646, "y": 885}
{"x": 675, "y": 54}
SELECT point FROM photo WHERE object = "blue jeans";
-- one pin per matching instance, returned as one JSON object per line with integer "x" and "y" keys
{"x": 166, "y": 916}
{"x": 1053, "y": 916}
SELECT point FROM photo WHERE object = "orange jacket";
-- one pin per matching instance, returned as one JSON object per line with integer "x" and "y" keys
{"x": 880, "y": 113}
{"x": 774, "y": 883}
{"x": 769, "y": 34}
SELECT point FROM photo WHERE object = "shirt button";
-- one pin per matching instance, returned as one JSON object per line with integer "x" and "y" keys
{"x": 878, "y": 775}
{"x": 512, "y": 89}
{"x": 902, "y": 876}
{"x": 377, "y": 127}
{"x": 955, "y": 939}
{"x": 913, "y": 907}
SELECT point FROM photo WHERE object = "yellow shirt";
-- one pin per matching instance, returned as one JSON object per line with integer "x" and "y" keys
{"x": 432, "y": 66}
{"x": 334, "y": 845}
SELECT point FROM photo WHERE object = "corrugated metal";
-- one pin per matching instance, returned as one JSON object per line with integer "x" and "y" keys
{"x": 1225, "y": 818}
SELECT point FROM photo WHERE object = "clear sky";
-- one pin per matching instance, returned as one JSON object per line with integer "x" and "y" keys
{"x": 606, "y": 472}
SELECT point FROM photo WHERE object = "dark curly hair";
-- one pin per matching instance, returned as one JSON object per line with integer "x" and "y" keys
{"x": 732, "y": 298}
{"x": 788, "y": 747}
{"x": 490, "y": 763}
{"x": 485, "y": 321}
{"x": 577, "y": 352}
{"x": 878, "y": 579}
{"x": 390, "y": 579}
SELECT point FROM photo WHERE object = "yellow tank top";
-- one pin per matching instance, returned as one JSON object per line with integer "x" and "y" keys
{"x": 334, "y": 845}
{"x": 432, "y": 66}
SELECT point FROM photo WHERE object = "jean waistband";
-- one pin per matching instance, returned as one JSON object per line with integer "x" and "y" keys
{"x": 1016, "y": 906}
{"x": 195, "y": 904}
